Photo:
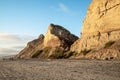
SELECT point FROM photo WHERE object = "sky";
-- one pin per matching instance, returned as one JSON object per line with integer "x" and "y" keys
{"x": 24, "y": 20}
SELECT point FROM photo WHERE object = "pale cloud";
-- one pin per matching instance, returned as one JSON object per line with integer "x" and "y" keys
{"x": 10, "y": 50}
{"x": 18, "y": 47}
{"x": 13, "y": 43}
{"x": 6, "y": 52}
{"x": 63, "y": 7}
{"x": 27, "y": 38}
{"x": 60, "y": 8}
{"x": 10, "y": 38}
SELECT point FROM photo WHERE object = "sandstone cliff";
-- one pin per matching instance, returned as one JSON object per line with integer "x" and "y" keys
{"x": 111, "y": 50}
{"x": 102, "y": 16}
{"x": 101, "y": 25}
{"x": 99, "y": 40}
{"x": 54, "y": 44}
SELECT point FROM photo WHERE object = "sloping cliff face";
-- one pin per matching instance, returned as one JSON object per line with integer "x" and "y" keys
{"x": 101, "y": 25}
{"x": 31, "y": 48}
{"x": 54, "y": 44}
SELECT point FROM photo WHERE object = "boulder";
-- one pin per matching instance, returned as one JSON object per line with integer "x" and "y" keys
{"x": 57, "y": 36}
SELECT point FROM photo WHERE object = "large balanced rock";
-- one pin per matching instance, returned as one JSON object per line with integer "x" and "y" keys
{"x": 101, "y": 25}
{"x": 54, "y": 44}
{"x": 58, "y": 36}
{"x": 57, "y": 41}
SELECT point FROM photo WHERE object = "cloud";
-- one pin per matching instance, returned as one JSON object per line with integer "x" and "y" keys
{"x": 13, "y": 43}
{"x": 10, "y": 50}
{"x": 14, "y": 38}
{"x": 6, "y": 52}
{"x": 27, "y": 38}
{"x": 18, "y": 47}
{"x": 8, "y": 38}
{"x": 63, "y": 7}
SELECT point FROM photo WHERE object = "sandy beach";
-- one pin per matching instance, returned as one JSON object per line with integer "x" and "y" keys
{"x": 36, "y": 69}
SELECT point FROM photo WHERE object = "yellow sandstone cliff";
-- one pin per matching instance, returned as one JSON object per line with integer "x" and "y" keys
{"x": 100, "y": 28}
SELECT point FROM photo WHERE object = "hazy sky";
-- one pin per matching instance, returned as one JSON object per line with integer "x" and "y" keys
{"x": 24, "y": 20}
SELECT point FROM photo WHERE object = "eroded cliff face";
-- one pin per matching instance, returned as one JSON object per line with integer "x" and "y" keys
{"x": 54, "y": 44}
{"x": 94, "y": 41}
{"x": 111, "y": 50}
{"x": 101, "y": 25}
{"x": 102, "y": 16}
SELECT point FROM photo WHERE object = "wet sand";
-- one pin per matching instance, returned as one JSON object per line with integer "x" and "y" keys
{"x": 35, "y": 69}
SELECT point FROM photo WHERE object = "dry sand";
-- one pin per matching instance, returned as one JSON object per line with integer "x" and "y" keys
{"x": 59, "y": 70}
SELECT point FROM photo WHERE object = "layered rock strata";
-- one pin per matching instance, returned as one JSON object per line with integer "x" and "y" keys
{"x": 101, "y": 25}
